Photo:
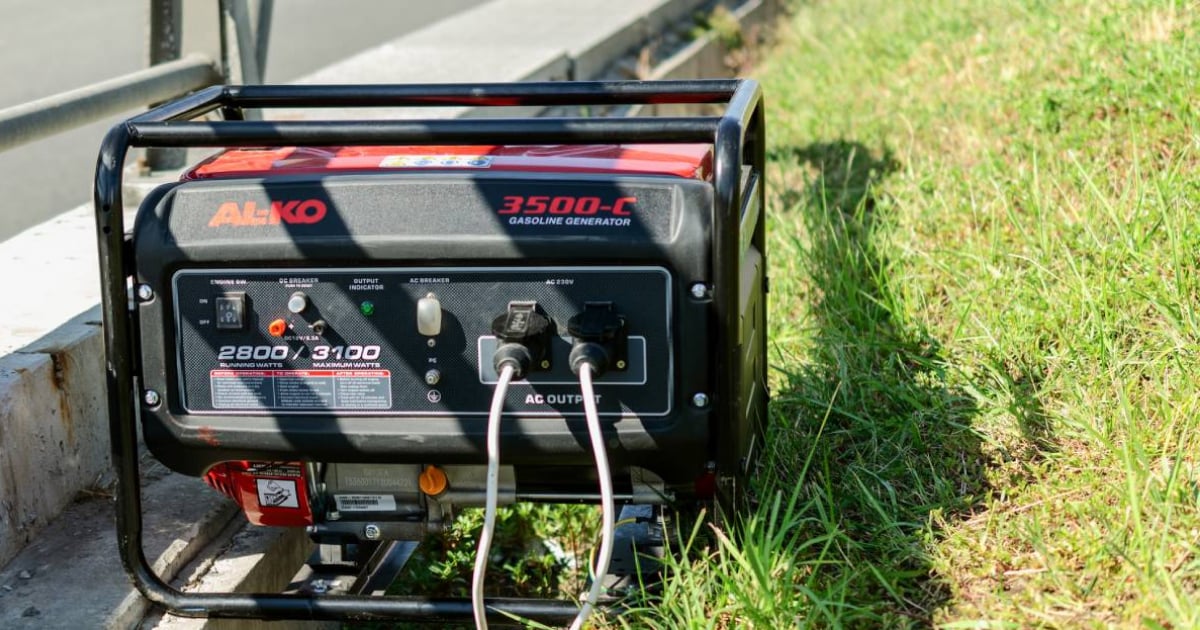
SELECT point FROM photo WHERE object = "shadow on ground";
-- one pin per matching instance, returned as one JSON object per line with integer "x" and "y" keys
{"x": 896, "y": 445}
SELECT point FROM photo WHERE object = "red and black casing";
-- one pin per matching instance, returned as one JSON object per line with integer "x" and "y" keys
{"x": 715, "y": 237}
{"x": 692, "y": 212}
{"x": 394, "y": 207}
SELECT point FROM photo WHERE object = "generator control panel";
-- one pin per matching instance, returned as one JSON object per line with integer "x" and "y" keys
{"x": 420, "y": 341}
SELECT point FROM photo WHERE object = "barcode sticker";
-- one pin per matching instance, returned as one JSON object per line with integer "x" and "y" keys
{"x": 365, "y": 502}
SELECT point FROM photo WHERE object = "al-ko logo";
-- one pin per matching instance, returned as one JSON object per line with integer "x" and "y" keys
{"x": 298, "y": 212}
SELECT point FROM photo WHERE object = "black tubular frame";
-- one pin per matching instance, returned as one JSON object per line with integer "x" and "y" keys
{"x": 738, "y": 140}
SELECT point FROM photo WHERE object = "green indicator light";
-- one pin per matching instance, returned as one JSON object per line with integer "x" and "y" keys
{"x": 367, "y": 308}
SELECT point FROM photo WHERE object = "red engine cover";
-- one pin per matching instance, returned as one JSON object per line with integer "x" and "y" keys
{"x": 693, "y": 161}
{"x": 270, "y": 493}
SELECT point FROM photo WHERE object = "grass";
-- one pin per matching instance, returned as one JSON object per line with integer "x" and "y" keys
{"x": 984, "y": 234}
{"x": 984, "y": 241}
{"x": 538, "y": 550}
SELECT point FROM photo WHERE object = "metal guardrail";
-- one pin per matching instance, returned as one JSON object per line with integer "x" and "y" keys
{"x": 239, "y": 56}
{"x": 47, "y": 116}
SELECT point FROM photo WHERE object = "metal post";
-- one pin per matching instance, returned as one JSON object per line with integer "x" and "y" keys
{"x": 237, "y": 44}
{"x": 166, "y": 38}
{"x": 262, "y": 34}
{"x": 166, "y": 44}
{"x": 239, "y": 56}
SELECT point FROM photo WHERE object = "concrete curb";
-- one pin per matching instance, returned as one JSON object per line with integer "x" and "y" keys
{"x": 52, "y": 401}
{"x": 71, "y": 576}
{"x": 50, "y": 392}
{"x": 249, "y": 560}
{"x": 699, "y": 58}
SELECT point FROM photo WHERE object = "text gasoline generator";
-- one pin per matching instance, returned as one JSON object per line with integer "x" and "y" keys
{"x": 355, "y": 327}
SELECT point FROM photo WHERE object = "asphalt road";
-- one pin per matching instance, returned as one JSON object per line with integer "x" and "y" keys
{"x": 49, "y": 47}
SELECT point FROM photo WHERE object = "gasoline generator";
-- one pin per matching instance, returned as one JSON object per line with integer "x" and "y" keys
{"x": 355, "y": 327}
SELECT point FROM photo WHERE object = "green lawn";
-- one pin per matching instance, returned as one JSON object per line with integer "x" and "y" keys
{"x": 985, "y": 228}
{"x": 985, "y": 232}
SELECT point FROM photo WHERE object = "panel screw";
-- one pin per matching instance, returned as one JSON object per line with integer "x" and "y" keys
{"x": 699, "y": 290}
{"x": 620, "y": 365}
{"x": 371, "y": 532}
{"x": 151, "y": 398}
{"x": 144, "y": 293}
{"x": 431, "y": 343}
{"x": 545, "y": 364}
{"x": 700, "y": 399}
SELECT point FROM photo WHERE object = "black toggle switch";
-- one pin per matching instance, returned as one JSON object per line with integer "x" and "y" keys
{"x": 231, "y": 311}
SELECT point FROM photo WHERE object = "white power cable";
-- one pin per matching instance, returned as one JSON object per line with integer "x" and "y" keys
{"x": 606, "y": 496}
{"x": 493, "y": 485}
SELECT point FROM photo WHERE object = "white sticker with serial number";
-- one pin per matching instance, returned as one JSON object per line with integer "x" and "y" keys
{"x": 365, "y": 502}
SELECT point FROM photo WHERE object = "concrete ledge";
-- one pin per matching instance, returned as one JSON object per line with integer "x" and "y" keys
{"x": 705, "y": 56}
{"x": 503, "y": 41}
{"x": 484, "y": 44}
{"x": 50, "y": 275}
{"x": 249, "y": 560}
{"x": 52, "y": 394}
{"x": 71, "y": 576}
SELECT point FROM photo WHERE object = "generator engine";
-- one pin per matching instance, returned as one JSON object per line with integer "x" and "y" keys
{"x": 325, "y": 316}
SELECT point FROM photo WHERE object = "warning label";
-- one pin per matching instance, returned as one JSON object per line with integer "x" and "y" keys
{"x": 277, "y": 493}
{"x": 301, "y": 390}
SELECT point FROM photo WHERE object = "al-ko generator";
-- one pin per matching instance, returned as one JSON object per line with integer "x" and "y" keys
{"x": 357, "y": 326}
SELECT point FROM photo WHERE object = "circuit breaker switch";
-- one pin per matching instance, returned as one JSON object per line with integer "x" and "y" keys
{"x": 429, "y": 316}
{"x": 298, "y": 302}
